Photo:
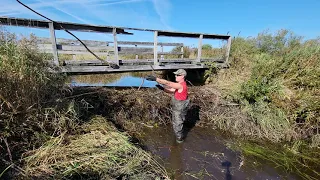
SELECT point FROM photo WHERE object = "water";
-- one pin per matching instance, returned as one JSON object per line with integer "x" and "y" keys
{"x": 114, "y": 80}
{"x": 204, "y": 155}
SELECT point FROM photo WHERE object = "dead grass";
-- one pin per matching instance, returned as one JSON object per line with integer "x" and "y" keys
{"x": 98, "y": 150}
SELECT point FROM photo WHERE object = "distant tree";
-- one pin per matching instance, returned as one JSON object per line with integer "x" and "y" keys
{"x": 186, "y": 50}
{"x": 207, "y": 47}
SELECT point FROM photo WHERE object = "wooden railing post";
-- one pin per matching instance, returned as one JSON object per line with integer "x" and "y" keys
{"x": 115, "y": 44}
{"x": 182, "y": 52}
{"x": 155, "y": 51}
{"x": 54, "y": 44}
{"x": 200, "y": 48}
{"x": 228, "y": 51}
{"x": 136, "y": 54}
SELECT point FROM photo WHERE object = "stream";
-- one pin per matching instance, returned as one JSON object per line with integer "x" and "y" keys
{"x": 205, "y": 153}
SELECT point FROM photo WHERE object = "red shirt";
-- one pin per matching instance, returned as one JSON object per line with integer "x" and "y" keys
{"x": 183, "y": 95}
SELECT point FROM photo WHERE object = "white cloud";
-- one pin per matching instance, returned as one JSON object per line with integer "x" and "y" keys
{"x": 163, "y": 9}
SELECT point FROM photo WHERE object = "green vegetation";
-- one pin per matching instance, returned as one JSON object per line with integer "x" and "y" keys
{"x": 276, "y": 79}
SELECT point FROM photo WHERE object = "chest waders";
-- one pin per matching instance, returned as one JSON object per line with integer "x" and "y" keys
{"x": 179, "y": 111}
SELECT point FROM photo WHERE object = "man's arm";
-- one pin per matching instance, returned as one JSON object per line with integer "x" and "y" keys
{"x": 169, "y": 84}
{"x": 169, "y": 90}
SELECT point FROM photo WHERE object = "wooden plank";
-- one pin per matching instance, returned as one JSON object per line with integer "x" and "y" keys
{"x": 146, "y": 43}
{"x": 33, "y": 23}
{"x": 150, "y": 61}
{"x": 103, "y": 29}
{"x": 108, "y": 53}
{"x": 200, "y": 47}
{"x": 76, "y": 48}
{"x": 105, "y": 69}
{"x": 77, "y": 52}
{"x": 155, "y": 51}
{"x": 62, "y": 41}
{"x": 115, "y": 42}
{"x": 228, "y": 51}
{"x": 53, "y": 44}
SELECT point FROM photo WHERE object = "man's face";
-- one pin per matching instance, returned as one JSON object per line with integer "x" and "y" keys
{"x": 179, "y": 77}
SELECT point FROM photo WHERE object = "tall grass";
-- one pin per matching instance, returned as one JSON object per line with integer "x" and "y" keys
{"x": 25, "y": 84}
{"x": 276, "y": 79}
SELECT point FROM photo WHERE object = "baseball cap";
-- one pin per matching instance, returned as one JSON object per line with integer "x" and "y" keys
{"x": 180, "y": 72}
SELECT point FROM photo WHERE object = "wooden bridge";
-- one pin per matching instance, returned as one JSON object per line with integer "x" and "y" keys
{"x": 112, "y": 54}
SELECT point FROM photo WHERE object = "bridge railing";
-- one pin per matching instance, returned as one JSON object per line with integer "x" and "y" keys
{"x": 32, "y": 23}
{"x": 102, "y": 48}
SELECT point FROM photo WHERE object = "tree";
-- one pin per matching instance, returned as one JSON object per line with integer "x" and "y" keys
{"x": 206, "y": 47}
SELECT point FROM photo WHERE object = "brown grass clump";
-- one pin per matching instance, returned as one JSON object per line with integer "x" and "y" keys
{"x": 99, "y": 150}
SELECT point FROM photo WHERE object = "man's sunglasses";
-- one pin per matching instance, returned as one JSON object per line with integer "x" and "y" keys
{"x": 178, "y": 75}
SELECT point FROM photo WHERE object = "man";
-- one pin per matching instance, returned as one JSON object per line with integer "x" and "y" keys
{"x": 179, "y": 100}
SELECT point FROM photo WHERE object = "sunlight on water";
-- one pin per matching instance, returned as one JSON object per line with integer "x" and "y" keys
{"x": 106, "y": 80}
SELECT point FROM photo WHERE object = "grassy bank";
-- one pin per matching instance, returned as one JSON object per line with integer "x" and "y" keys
{"x": 43, "y": 134}
{"x": 275, "y": 77}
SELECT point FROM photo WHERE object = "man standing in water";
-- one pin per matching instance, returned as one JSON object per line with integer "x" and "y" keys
{"x": 179, "y": 100}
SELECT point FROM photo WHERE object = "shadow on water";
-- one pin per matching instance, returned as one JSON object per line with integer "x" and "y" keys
{"x": 227, "y": 165}
{"x": 192, "y": 117}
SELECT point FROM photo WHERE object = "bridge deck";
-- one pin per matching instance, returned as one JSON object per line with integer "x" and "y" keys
{"x": 107, "y": 69}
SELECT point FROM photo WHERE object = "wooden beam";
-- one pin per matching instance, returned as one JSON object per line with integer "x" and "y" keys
{"x": 199, "y": 48}
{"x": 115, "y": 42}
{"x": 140, "y": 52}
{"x": 76, "y": 48}
{"x": 149, "y": 61}
{"x": 155, "y": 51}
{"x": 228, "y": 51}
{"x": 34, "y": 23}
{"x": 54, "y": 44}
{"x": 62, "y": 41}
{"x": 106, "y": 69}
{"x": 146, "y": 43}
{"x": 103, "y": 29}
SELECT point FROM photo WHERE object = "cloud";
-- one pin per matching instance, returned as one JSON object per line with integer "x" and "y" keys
{"x": 163, "y": 9}
{"x": 116, "y": 2}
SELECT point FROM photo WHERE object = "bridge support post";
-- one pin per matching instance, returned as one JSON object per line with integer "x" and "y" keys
{"x": 115, "y": 44}
{"x": 228, "y": 51}
{"x": 155, "y": 51}
{"x": 54, "y": 44}
{"x": 199, "y": 48}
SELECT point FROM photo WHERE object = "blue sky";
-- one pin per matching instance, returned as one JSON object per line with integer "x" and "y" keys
{"x": 249, "y": 17}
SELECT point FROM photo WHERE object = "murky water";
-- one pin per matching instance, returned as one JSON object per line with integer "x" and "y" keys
{"x": 204, "y": 155}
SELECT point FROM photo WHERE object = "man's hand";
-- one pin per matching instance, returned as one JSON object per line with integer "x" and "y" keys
{"x": 151, "y": 78}
{"x": 160, "y": 87}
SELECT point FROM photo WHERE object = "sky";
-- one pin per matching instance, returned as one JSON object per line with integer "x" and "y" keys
{"x": 236, "y": 17}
